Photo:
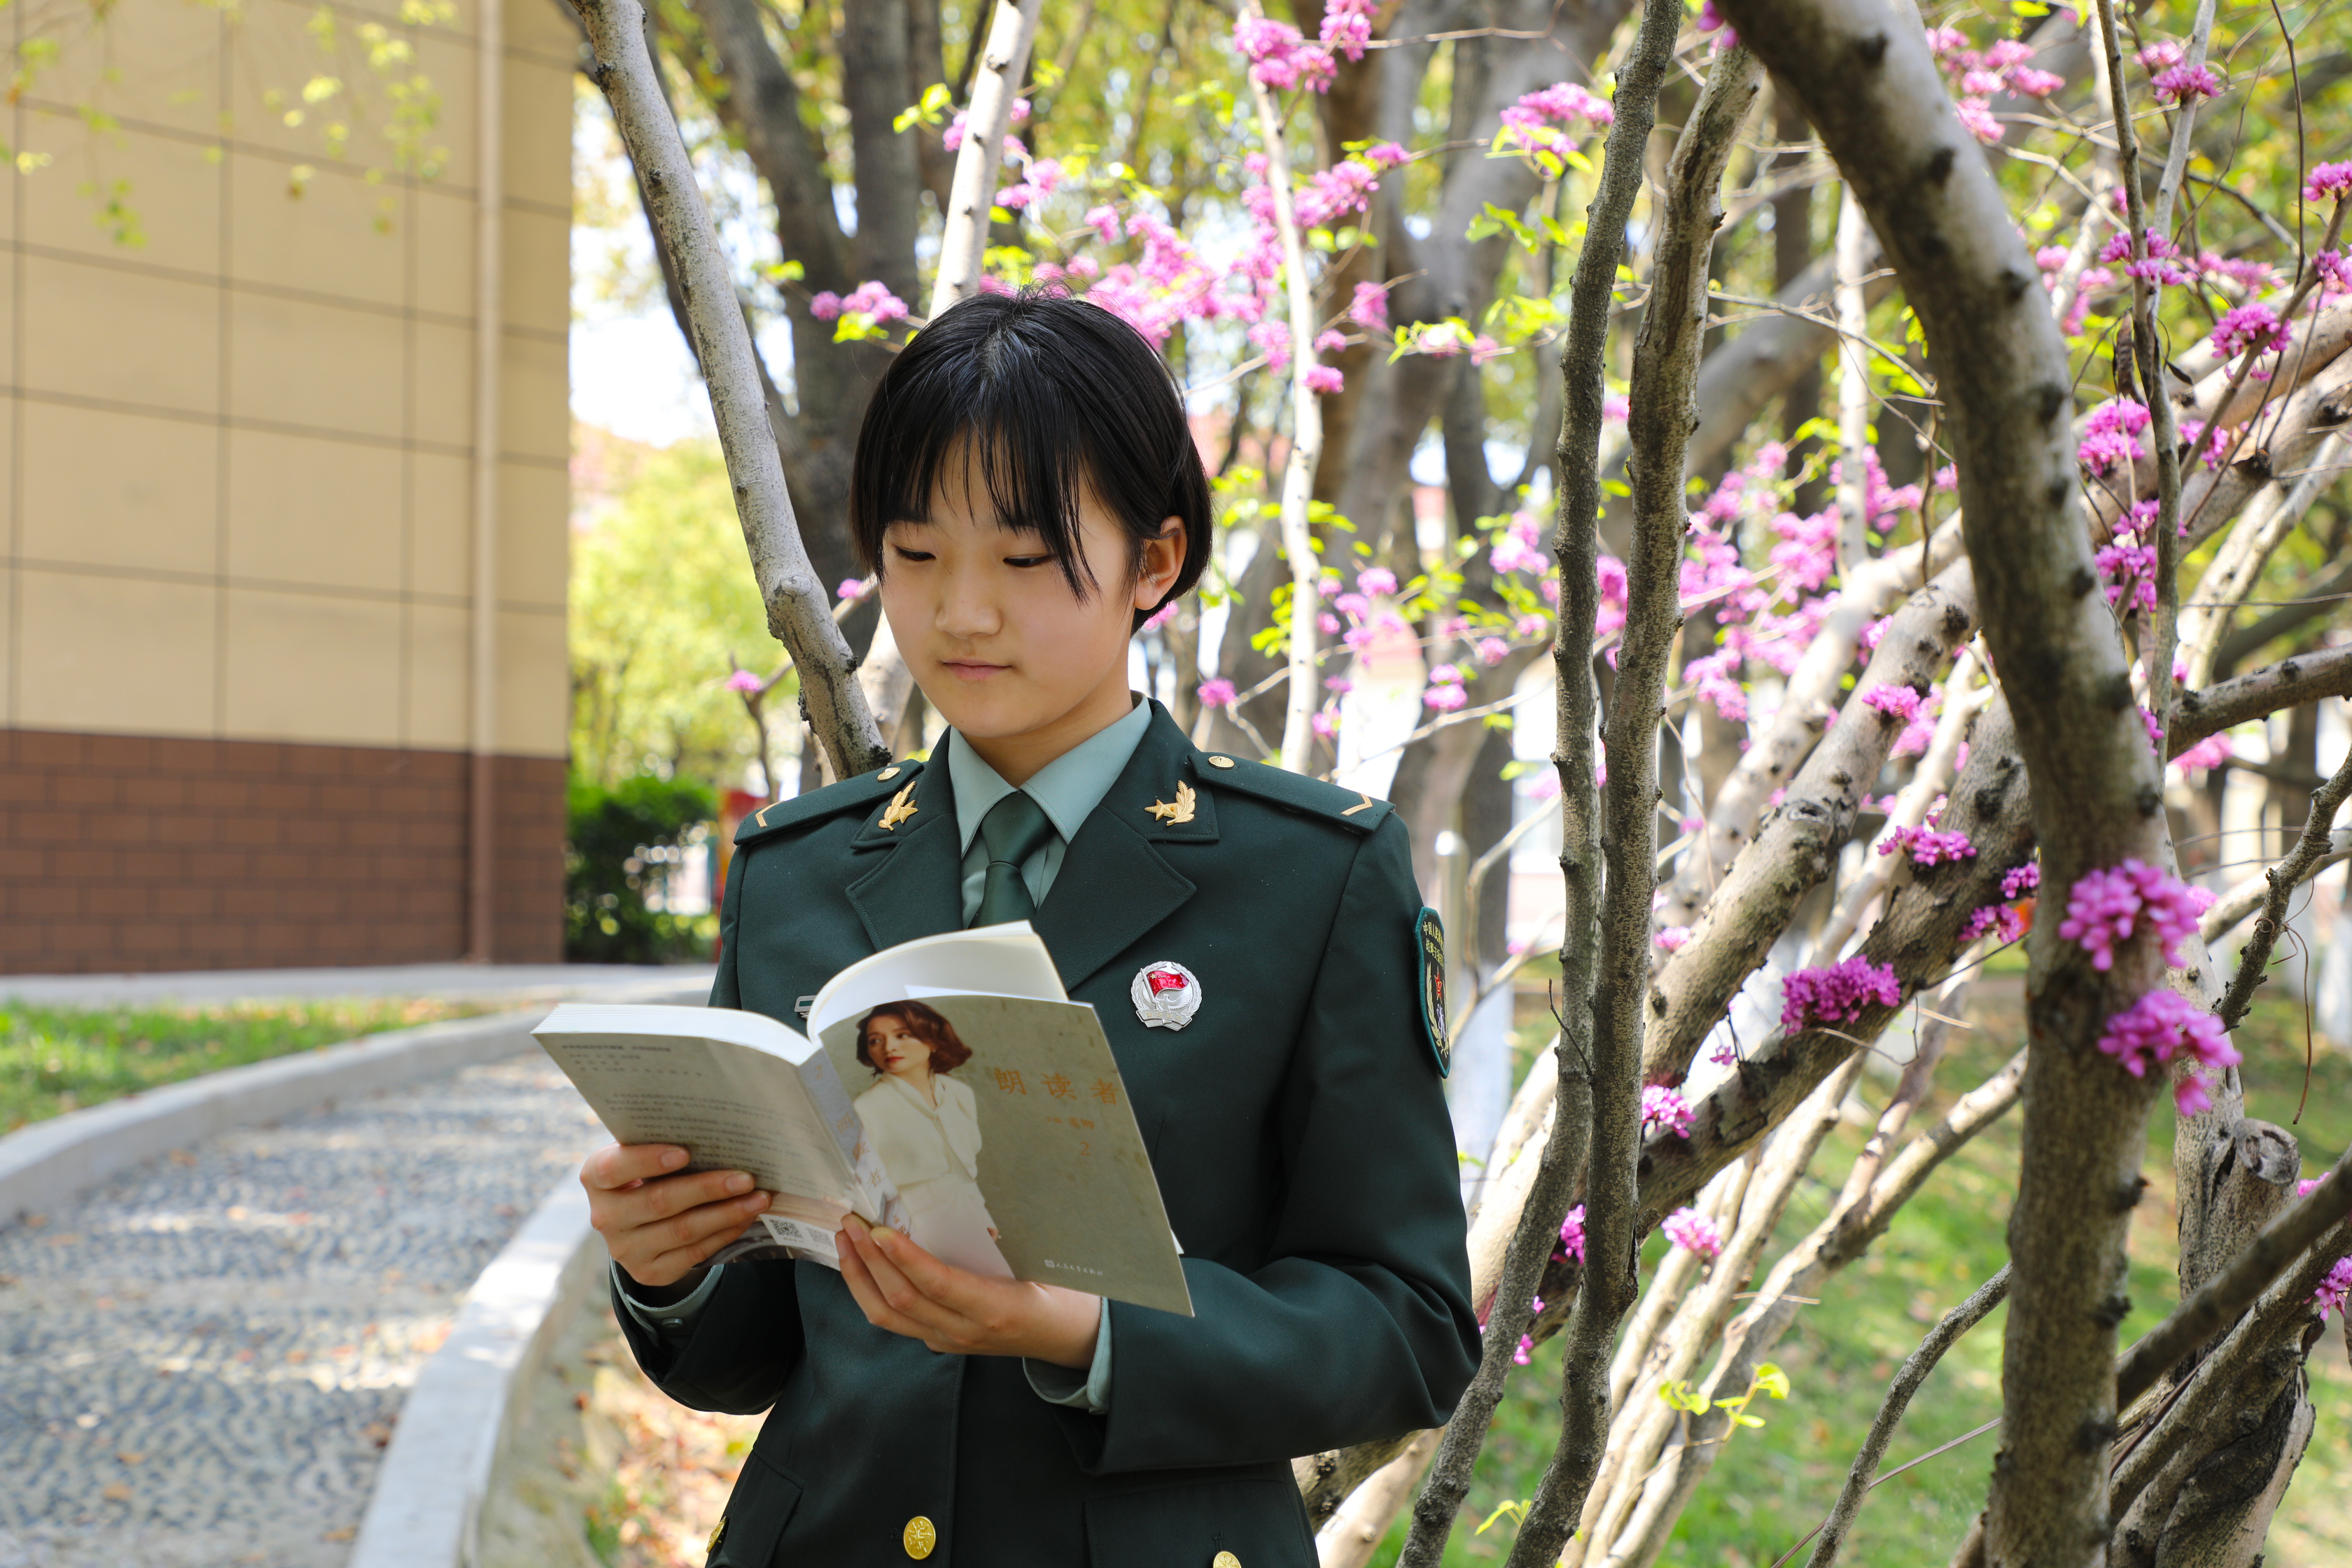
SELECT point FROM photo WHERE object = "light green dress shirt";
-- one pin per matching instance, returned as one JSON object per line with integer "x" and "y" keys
{"x": 1068, "y": 790}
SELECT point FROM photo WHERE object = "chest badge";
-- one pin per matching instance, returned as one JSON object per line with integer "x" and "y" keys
{"x": 902, "y": 806}
{"x": 1178, "y": 811}
{"x": 1166, "y": 996}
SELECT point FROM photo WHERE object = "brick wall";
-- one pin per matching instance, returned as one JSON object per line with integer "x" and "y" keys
{"x": 134, "y": 853}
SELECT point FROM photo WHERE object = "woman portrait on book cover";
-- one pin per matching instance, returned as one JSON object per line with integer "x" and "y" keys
{"x": 926, "y": 1127}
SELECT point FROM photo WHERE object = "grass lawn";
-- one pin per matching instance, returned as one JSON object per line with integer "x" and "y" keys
{"x": 1771, "y": 1486}
{"x": 54, "y": 1060}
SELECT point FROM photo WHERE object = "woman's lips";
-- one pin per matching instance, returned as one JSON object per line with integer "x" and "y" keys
{"x": 972, "y": 669}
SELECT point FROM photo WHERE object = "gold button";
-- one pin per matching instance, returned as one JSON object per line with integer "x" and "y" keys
{"x": 1224, "y": 1560}
{"x": 919, "y": 1536}
{"x": 887, "y": 774}
{"x": 1224, "y": 762}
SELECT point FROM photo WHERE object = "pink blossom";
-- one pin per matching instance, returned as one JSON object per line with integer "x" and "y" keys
{"x": 1571, "y": 1233}
{"x": 2184, "y": 84}
{"x": 1693, "y": 1232}
{"x": 1328, "y": 623}
{"x": 2308, "y": 1185}
{"x": 1663, "y": 1110}
{"x": 2334, "y": 1288}
{"x": 1330, "y": 341}
{"x": 2248, "y": 329}
{"x": 1991, "y": 917}
{"x": 1323, "y": 378}
{"x": 2163, "y": 53}
{"x": 2130, "y": 572}
{"x": 2162, "y": 1024}
{"x": 1161, "y": 616}
{"x": 1927, "y": 847}
{"x": 1445, "y": 699}
{"x": 851, "y": 588}
{"x": 1103, "y": 221}
{"x": 1279, "y": 57}
{"x": 1672, "y": 938}
{"x": 1385, "y": 155}
{"x": 1273, "y": 337}
{"x": 744, "y": 680}
{"x": 2160, "y": 266}
{"x": 2208, "y": 753}
{"x": 1370, "y": 309}
{"x": 1977, "y": 119}
{"x": 825, "y": 306}
{"x": 1347, "y": 26}
{"x": 2111, "y": 435}
{"x": 1376, "y": 580}
{"x": 1519, "y": 548}
{"x": 1324, "y": 722}
{"x": 1710, "y": 20}
{"x": 1895, "y": 701}
{"x": 1217, "y": 694}
{"x": 2328, "y": 181}
{"x": 1837, "y": 992}
{"x": 2020, "y": 881}
{"x": 1492, "y": 650}
{"x": 1445, "y": 675}
{"x": 2027, "y": 83}
{"x": 2107, "y": 907}
{"x": 1338, "y": 684}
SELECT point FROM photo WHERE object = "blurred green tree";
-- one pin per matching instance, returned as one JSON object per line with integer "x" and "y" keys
{"x": 619, "y": 843}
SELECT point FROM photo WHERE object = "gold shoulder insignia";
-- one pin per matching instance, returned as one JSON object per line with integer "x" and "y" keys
{"x": 902, "y": 806}
{"x": 1180, "y": 812}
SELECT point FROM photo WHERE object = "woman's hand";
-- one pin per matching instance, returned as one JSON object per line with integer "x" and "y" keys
{"x": 659, "y": 1227}
{"x": 905, "y": 1289}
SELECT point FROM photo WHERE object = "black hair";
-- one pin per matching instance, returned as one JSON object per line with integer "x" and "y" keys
{"x": 1056, "y": 394}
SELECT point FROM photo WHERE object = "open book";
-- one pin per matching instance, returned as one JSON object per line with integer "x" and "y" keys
{"x": 946, "y": 1087}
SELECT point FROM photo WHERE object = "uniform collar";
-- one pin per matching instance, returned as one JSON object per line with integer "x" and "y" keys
{"x": 1067, "y": 789}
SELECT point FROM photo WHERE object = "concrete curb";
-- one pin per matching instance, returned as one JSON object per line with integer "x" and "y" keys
{"x": 49, "y": 1162}
{"x": 425, "y": 1510}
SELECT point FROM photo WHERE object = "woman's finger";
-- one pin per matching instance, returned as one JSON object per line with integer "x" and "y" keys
{"x": 683, "y": 1232}
{"x": 969, "y": 1298}
{"x": 616, "y": 1166}
{"x": 858, "y": 1273}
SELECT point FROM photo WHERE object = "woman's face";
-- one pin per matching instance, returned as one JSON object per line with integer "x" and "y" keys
{"x": 890, "y": 1046}
{"x": 1021, "y": 666}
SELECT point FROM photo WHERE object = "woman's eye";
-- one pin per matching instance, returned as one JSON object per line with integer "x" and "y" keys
{"x": 903, "y": 554}
{"x": 1025, "y": 561}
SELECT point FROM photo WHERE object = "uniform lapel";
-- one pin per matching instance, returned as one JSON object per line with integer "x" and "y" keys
{"x": 1114, "y": 883}
{"x": 916, "y": 888}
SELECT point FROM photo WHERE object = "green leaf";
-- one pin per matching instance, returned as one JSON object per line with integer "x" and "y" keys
{"x": 1771, "y": 1380}
{"x": 1618, "y": 488}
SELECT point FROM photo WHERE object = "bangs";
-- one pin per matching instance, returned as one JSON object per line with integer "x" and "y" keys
{"x": 1008, "y": 430}
{"x": 1038, "y": 400}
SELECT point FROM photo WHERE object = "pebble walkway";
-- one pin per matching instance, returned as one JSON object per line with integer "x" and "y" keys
{"x": 200, "y": 1360}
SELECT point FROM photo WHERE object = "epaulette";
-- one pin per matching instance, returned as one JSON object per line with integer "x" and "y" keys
{"x": 854, "y": 794}
{"x": 1294, "y": 791}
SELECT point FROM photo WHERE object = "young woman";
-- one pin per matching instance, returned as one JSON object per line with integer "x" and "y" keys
{"x": 1026, "y": 486}
{"x": 927, "y": 1130}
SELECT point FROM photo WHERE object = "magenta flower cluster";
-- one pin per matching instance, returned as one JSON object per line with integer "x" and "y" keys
{"x": 1836, "y": 994}
{"x": 1693, "y": 1232}
{"x": 2329, "y": 182}
{"x": 871, "y": 299}
{"x": 1665, "y": 1110}
{"x": 1895, "y": 701}
{"x": 2159, "y": 267}
{"x": 2332, "y": 1291}
{"x": 2020, "y": 881}
{"x": 2186, "y": 84}
{"x": 1571, "y": 1235}
{"x": 2163, "y": 1024}
{"x": 2130, "y": 571}
{"x": 2109, "y": 906}
{"x": 2248, "y": 329}
{"x": 2111, "y": 435}
{"x": 1929, "y": 845}
{"x": 2002, "y": 917}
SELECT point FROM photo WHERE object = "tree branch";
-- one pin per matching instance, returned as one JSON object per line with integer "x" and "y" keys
{"x": 2289, "y": 683}
{"x": 2318, "y": 829}
{"x": 1955, "y": 1325}
{"x": 1622, "y": 928}
{"x": 963, "y": 235}
{"x": 798, "y": 610}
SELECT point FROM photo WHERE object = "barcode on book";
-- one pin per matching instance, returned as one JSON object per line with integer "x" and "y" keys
{"x": 788, "y": 1232}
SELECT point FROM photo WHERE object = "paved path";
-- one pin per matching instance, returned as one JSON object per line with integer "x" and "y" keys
{"x": 200, "y": 1360}
{"x": 515, "y": 983}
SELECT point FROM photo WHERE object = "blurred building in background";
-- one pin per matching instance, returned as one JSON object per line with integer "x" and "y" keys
{"x": 258, "y": 705}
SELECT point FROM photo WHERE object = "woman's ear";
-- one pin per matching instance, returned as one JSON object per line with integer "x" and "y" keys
{"x": 1163, "y": 558}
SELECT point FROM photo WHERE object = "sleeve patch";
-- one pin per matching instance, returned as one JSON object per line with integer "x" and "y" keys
{"x": 1429, "y": 936}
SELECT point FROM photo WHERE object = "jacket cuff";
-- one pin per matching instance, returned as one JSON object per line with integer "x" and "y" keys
{"x": 674, "y": 1322}
{"x": 1065, "y": 1385}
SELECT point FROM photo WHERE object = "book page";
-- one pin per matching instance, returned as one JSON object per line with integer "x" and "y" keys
{"x": 1029, "y": 1136}
{"x": 1007, "y": 960}
{"x": 731, "y": 1105}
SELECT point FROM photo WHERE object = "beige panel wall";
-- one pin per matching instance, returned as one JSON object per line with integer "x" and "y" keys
{"x": 239, "y": 386}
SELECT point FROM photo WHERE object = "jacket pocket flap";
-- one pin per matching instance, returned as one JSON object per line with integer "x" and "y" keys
{"x": 757, "y": 1512}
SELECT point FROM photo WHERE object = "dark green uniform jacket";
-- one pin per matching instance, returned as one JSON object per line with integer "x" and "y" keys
{"x": 1298, "y": 1131}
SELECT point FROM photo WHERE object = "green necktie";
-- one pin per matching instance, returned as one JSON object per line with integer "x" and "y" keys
{"x": 1014, "y": 829}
